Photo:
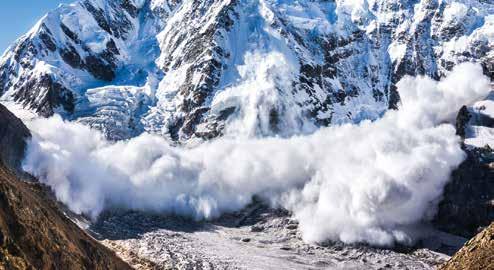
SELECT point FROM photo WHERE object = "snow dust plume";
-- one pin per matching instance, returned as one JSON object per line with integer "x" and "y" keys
{"x": 355, "y": 183}
{"x": 258, "y": 94}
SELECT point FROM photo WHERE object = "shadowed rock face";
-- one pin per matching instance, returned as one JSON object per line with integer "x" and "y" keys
{"x": 477, "y": 253}
{"x": 34, "y": 233}
{"x": 467, "y": 204}
{"x": 13, "y": 135}
{"x": 468, "y": 200}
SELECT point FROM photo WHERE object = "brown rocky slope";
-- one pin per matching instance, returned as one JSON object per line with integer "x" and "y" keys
{"x": 478, "y": 253}
{"x": 34, "y": 232}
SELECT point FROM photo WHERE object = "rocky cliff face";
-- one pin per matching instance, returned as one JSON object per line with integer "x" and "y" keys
{"x": 192, "y": 69}
{"x": 34, "y": 233}
{"x": 468, "y": 201}
{"x": 13, "y": 136}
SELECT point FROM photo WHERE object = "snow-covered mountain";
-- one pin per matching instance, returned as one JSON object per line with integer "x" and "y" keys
{"x": 190, "y": 69}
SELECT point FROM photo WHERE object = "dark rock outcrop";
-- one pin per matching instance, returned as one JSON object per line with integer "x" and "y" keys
{"x": 468, "y": 200}
{"x": 461, "y": 121}
{"x": 44, "y": 95}
{"x": 13, "y": 135}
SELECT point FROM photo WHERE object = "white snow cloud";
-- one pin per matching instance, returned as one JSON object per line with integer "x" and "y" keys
{"x": 258, "y": 93}
{"x": 355, "y": 183}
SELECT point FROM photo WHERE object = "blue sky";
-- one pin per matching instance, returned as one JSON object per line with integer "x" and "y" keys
{"x": 18, "y": 16}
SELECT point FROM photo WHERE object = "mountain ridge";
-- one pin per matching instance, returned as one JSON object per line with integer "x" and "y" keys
{"x": 186, "y": 69}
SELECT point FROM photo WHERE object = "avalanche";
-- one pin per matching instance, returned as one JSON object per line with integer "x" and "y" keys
{"x": 194, "y": 107}
{"x": 371, "y": 182}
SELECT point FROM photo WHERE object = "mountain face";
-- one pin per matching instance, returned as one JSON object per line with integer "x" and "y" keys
{"x": 199, "y": 69}
{"x": 35, "y": 234}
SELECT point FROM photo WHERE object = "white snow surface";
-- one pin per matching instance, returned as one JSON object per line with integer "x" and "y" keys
{"x": 480, "y": 130}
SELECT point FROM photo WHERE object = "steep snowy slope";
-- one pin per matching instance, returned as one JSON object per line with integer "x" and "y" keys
{"x": 199, "y": 69}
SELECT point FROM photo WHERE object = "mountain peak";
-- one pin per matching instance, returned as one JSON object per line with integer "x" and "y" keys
{"x": 201, "y": 69}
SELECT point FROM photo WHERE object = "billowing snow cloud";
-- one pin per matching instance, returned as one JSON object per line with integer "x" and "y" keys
{"x": 368, "y": 183}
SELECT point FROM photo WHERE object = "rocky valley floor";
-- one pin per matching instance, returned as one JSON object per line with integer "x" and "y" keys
{"x": 256, "y": 238}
